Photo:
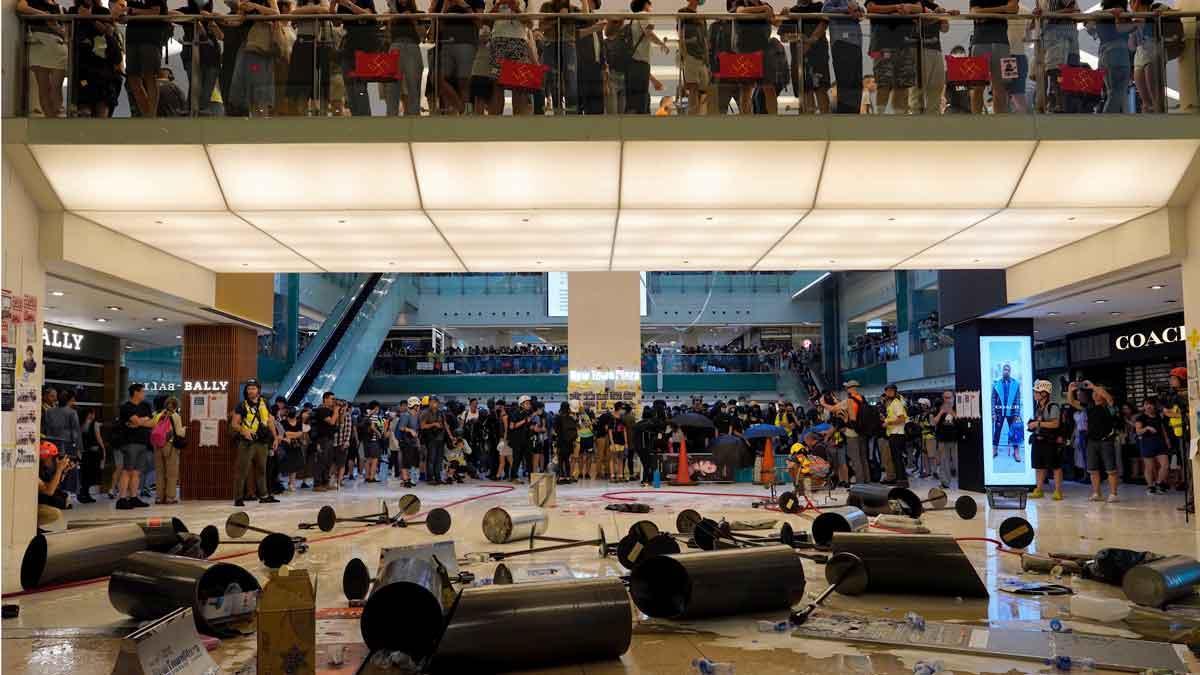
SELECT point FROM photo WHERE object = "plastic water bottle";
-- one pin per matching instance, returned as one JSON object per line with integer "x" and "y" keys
{"x": 707, "y": 667}
{"x": 657, "y": 478}
{"x": 773, "y": 626}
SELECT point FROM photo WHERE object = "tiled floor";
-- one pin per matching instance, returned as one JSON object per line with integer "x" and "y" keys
{"x": 76, "y": 630}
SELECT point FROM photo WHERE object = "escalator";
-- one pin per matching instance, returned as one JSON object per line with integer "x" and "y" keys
{"x": 340, "y": 354}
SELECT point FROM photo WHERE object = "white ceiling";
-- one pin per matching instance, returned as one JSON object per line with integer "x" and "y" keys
{"x": 81, "y": 305}
{"x": 597, "y": 205}
{"x": 1127, "y": 300}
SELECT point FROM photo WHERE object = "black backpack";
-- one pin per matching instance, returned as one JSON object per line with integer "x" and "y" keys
{"x": 869, "y": 422}
{"x": 618, "y": 51}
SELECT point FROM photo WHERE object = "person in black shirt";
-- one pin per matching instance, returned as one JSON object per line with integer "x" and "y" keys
{"x": 754, "y": 36}
{"x": 98, "y": 50}
{"x": 808, "y": 46}
{"x": 990, "y": 39}
{"x": 206, "y": 36}
{"x": 895, "y": 59}
{"x": 134, "y": 422}
{"x": 602, "y": 430}
{"x": 1101, "y": 430}
{"x": 1152, "y": 443}
{"x": 457, "y": 39}
{"x": 325, "y": 421}
{"x": 361, "y": 36}
{"x": 520, "y": 436}
{"x": 144, "y": 42}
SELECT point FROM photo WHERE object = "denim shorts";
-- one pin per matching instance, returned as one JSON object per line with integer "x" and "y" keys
{"x": 132, "y": 456}
{"x": 454, "y": 60}
{"x": 1101, "y": 456}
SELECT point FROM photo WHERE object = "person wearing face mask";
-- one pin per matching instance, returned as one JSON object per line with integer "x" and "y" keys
{"x": 254, "y": 436}
{"x": 1046, "y": 453}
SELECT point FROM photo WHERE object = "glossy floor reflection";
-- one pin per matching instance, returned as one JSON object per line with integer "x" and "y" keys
{"x": 76, "y": 630}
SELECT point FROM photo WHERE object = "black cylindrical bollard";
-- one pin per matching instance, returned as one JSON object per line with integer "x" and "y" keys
{"x": 149, "y": 586}
{"x": 573, "y": 622}
{"x": 718, "y": 583}
{"x": 913, "y": 564}
{"x": 404, "y": 611}
{"x": 93, "y": 552}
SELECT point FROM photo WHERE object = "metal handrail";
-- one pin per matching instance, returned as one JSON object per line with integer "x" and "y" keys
{"x": 593, "y": 16}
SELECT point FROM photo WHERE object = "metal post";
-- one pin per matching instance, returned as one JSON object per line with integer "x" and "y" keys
{"x": 920, "y": 63}
{"x": 72, "y": 55}
{"x": 194, "y": 87}
{"x": 1039, "y": 56}
{"x": 435, "y": 107}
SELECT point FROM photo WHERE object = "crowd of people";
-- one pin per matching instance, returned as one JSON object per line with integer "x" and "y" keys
{"x": 873, "y": 347}
{"x": 456, "y": 63}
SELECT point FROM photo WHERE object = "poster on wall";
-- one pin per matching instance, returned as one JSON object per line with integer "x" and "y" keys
{"x": 601, "y": 388}
{"x": 8, "y": 377}
{"x": 29, "y": 306}
{"x": 7, "y": 326}
{"x": 1006, "y": 402}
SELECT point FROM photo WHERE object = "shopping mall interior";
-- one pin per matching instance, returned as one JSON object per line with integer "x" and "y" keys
{"x": 298, "y": 384}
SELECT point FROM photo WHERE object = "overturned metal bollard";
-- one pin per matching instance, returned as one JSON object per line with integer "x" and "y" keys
{"x": 505, "y": 524}
{"x": 93, "y": 552}
{"x": 840, "y": 519}
{"x": 148, "y": 586}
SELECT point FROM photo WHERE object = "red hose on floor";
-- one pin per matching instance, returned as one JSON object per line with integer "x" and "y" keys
{"x": 350, "y": 533}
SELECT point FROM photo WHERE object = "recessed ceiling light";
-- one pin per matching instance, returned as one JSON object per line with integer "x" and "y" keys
{"x": 1101, "y": 301}
{"x": 50, "y": 307}
{"x": 113, "y": 308}
{"x": 524, "y": 220}
{"x": 1051, "y": 313}
{"x": 158, "y": 222}
{"x": 1071, "y": 218}
{"x": 245, "y": 264}
{"x": 709, "y": 218}
{"x": 1072, "y": 323}
{"x": 178, "y": 337}
{"x": 1114, "y": 314}
{"x": 1157, "y": 287}
{"x": 832, "y": 261}
{"x": 159, "y": 319}
{"x": 1035, "y": 332}
{"x": 59, "y": 294}
{"x": 101, "y": 319}
{"x": 144, "y": 328}
{"x": 975, "y": 260}
{"x": 128, "y": 346}
{"x": 341, "y": 221}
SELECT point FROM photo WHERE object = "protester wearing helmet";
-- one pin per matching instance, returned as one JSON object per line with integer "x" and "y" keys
{"x": 1046, "y": 455}
{"x": 51, "y": 497}
{"x": 1175, "y": 409}
{"x": 254, "y": 437}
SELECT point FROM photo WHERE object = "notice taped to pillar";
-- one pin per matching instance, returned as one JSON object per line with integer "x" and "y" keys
{"x": 287, "y": 625}
{"x": 168, "y": 646}
{"x": 543, "y": 490}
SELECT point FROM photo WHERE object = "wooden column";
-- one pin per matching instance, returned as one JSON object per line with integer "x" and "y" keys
{"x": 214, "y": 353}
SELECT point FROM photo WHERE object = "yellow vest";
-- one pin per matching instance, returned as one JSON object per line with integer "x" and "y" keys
{"x": 250, "y": 421}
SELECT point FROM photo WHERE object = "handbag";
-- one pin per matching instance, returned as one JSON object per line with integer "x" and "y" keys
{"x": 521, "y": 76}
{"x": 376, "y": 66}
{"x": 1076, "y": 80}
{"x": 967, "y": 70}
{"x": 735, "y": 66}
{"x": 262, "y": 39}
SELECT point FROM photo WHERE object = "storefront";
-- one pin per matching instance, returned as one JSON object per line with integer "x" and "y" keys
{"x": 86, "y": 363}
{"x": 1133, "y": 360}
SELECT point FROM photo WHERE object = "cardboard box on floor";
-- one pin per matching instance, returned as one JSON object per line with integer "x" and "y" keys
{"x": 287, "y": 624}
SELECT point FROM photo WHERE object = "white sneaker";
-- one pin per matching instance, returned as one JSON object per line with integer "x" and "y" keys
{"x": 1096, "y": 498}
{"x": 1113, "y": 499}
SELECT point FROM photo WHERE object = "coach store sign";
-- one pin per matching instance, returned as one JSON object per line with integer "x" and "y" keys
{"x": 1149, "y": 338}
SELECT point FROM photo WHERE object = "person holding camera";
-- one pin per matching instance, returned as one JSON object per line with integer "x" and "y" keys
{"x": 52, "y": 499}
{"x": 326, "y": 420}
{"x": 1094, "y": 401}
{"x": 254, "y": 434}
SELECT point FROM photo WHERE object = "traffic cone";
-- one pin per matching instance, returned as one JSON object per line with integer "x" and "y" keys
{"x": 766, "y": 473}
{"x": 682, "y": 475}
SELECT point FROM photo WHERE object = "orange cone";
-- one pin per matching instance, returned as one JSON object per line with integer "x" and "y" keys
{"x": 766, "y": 474}
{"x": 682, "y": 475}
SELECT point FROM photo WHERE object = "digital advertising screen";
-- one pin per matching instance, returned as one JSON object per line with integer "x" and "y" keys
{"x": 1006, "y": 372}
{"x": 558, "y": 293}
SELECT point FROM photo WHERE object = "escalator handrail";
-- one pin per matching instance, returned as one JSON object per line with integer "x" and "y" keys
{"x": 322, "y": 350}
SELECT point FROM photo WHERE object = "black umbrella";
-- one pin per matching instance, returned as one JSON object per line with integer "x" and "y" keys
{"x": 729, "y": 453}
{"x": 690, "y": 420}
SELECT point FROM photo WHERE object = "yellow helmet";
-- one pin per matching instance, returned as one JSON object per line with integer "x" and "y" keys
{"x": 424, "y": 400}
{"x": 797, "y": 448}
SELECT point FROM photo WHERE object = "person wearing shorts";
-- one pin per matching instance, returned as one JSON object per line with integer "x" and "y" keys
{"x": 990, "y": 40}
{"x": 47, "y": 54}
{"x": 582, "y": 466}
{"x": 508, "y": 42}
{"x": 457, "y": 40}
{"x": 809, "y": 47}
{"x": 134, "y": 422}
{"x": 1154, "y": 446}
{"x": 144, "y": 42}
{"x": 1059, "y": 47}
{"x": 600, "y": 460}
{"x": 1046, "y": 454}
{"x": 693, "y": 58}
{"x": 1100, "y": 450}
{"x": 893, "y": 53}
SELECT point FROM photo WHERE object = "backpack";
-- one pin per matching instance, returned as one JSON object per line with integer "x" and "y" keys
{"x": 618, "y": 51}
{"x": 162, "y": 432}
{"x": 868, "y": 422}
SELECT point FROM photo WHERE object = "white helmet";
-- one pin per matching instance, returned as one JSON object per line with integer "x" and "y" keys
{"x": 923, "y": 401}
{"x": 523, "y": 399}
{"x": 574, "y": 403}
{"x": 413, "y": 401}
{"x": 1043, "y": 385}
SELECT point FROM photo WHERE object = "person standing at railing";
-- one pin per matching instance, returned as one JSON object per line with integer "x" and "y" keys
{"x": 98, "y": 60}
{"x": 1114, "y": 55}
{"x": 754, "y": 35}
{"x": 361, "y": 36}
{"x": 205, "y": 36}
{"x": 926, "y": 97}
{"x": 510, "y": 41}
{"x": 845, "y": 36}
{"x": 990, "y": 39}
{"x": 457, "y": 39}
{"x": 693, "y": 58}
{"x": 559, "y": 54}
{"x": 1146, "y": 74}
{"x": 810, "y": 56}
{"x": 404, "y": 37}
{"x": 144, "y": 43}
{"x": 47, "y": 54}
{"x": 893, "y": 52}
{"x": 637, "y": 75}
{"x": 589, "y": 46}
{"x": 308, "y": 70}
{"x": 253, "y": 86}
